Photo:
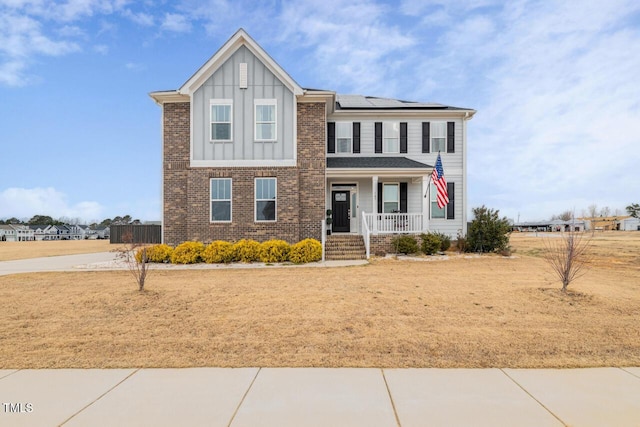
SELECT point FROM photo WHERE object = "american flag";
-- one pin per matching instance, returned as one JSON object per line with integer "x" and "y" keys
{"x": 441, "y": 184}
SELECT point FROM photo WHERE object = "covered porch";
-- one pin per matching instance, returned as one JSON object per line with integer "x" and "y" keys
{"x": 378, "y": 195}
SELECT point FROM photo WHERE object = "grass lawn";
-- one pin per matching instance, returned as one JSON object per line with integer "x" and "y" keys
{"x": 471, "y": 311}
{"x": 24, "y": 250}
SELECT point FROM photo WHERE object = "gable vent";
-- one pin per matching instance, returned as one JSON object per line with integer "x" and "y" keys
{"x": 243, "y": 75}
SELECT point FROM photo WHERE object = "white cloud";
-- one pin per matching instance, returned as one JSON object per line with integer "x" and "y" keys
{"x": 27, "y": 202}
{"x": 176, "y": 23}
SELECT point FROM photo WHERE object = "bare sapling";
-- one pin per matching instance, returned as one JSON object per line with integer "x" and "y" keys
{"x": 138, "y": 266}
{"x": 568, "y": 255}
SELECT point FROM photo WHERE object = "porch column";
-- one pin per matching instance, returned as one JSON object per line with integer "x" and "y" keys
{"x": 374, "y": 197}
{"x": 426, "y": 201}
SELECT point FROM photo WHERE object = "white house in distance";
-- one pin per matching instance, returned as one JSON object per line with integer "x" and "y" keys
{"x": 16, "y": 233}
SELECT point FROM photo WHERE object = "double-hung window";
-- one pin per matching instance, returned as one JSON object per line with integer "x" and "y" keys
{"x": 221, "y": 200}
{"x": 265, "y": 199}
{"x": 438, "y": 137}
{"x": 221, "y": 118}
{"x": 390, "y": 198}
{"x": 266, "y": 120}
{"x": 436, "y": 212}
{"x": 391, "y": 137}
{"x": 343, "y": 137}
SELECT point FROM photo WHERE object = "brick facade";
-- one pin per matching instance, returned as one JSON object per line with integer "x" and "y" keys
{"x": 300, "y": 189}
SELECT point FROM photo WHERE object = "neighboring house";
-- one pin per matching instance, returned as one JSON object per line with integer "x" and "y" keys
{"x": 630, "y": 224}
{"x": 16, "y": 233}
{"x": 248, "y": 153}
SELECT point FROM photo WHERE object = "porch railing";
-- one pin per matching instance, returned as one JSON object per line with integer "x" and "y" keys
{"x": 388, "y": 223}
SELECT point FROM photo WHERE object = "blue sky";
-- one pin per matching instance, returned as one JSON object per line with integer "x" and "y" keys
{"x": 555, "y": 84}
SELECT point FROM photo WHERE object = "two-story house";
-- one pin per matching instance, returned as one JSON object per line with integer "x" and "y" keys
{"x": 249, "y": 153}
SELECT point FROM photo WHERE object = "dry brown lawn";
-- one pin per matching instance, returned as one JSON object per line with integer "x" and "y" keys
{"x": 473, "y": 311}
{"x": 25, "y": 250}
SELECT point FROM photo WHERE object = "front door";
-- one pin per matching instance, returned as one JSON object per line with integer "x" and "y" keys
{"x": 341, "y": 211}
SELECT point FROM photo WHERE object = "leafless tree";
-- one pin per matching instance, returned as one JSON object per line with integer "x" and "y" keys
{"x": 568, "y": 255}
{"x": 139, "y": 268}
{"x": 593, "y": 213}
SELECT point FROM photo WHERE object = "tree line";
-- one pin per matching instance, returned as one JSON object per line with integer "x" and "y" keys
{"x": 47, "y": 220}
{"x": 593, "y": 212}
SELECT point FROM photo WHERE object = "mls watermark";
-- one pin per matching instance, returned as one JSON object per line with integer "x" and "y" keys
{"x": 17, "y": 408}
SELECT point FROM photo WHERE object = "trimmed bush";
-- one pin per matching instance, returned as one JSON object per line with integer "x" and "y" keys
{"x": 431, "y": 243}
{"x": 156, "y": 253}
{"x": 307, "y": 250}
{"x": 405, "y": 244}
{"x": 274, "y": 251}
{"x": 246, "y": 250}
{"x": 445, "y": 241}
{"x": 488, "y": 232}
{"x": 187, "y": 253}
{"x": 218, "y": 251}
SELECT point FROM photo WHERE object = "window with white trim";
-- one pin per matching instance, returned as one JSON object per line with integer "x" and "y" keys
{"x": 265, "y": 120}
{"x": 344, "y": 137}
{"x": 265, "y": 199}
{"x": 220, "y": 199}
{"x": 436, "y": 212}
{"x": 391, "y": 137}
{"x": 438, "y": 137}
{"x": 221, "y": 119}
{"x": 390, "y": 197}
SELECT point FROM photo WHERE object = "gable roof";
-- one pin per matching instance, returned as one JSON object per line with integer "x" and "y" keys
{"x": 240, "y": 38}
{"x": 360, "y": 102}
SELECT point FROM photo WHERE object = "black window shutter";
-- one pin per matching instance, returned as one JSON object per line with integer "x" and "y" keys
{"x": 403, "y": 197}
{"x": 331, "y": 137}
{"x": 426, "y": 136}
{"x": 379, "y": 197}
{"x": 356, "y": 137}
{"x": 403, "y": 137}
{"x": 451, "y": 142}
{"x": 378, "y": 137}
{"x": 451, "y": 207}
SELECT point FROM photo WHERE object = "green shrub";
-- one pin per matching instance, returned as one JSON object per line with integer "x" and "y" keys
{"x": 405, "y": 244}
{"x": 246, "y": 250}
{"x": 218, "y": 251}
{"x": 487, "y": 232}
{"x": 431, "y": 243}
{"x": 274, "y": 251}
{"x": 445, "y": 241}
{"x": 187, "y": 253}
{"x": 307, "y": 250}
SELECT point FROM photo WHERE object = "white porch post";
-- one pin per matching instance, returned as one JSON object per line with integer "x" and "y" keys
{"x": 426, "y": 202}
{"x": 374, "y": 197}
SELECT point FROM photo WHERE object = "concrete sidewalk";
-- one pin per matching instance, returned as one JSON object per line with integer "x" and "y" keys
{"x": 320, "y": 397}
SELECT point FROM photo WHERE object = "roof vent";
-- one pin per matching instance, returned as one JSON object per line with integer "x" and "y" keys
{"x": 243, "y": 75}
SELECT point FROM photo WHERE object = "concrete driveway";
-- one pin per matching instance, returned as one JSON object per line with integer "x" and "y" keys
{"x": 55, "y": 263}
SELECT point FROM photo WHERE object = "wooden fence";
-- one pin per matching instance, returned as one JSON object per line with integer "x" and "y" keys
{"x": 139, "y": 233}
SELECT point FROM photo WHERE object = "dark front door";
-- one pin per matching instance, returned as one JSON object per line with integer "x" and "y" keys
{"x": 340, "y": 207}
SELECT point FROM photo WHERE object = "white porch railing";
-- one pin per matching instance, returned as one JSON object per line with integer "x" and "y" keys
{"x": 388, "y": 223}
{"x": 366, "y": 233}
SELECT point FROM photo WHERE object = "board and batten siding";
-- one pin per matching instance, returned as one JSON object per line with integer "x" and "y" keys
{"x": 224, "y": 84}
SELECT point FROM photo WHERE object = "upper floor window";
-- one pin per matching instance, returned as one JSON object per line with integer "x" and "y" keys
{"x": 220, "y": 199}
{"x": 343, "y": 137}
{"x": 265, "y": 199}
{"x": 391, "y": 137}
{"x": 265, "y": 120}
{"x": 438, "y": 137}
{"x": 221, "y": 118}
